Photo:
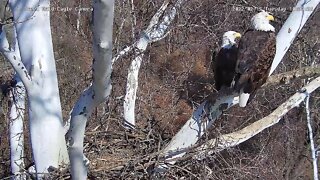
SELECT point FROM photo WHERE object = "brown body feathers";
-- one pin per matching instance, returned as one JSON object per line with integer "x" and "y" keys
{"x": 256, "y": 52}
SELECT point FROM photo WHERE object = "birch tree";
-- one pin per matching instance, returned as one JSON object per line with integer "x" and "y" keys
{"x": 16, "y": 133}
{"x": 195, "y": 127}
{"x": 16, "y": 92}
{"x": 35, "y": 66}
{"x": 34, "y": 63}
{"x": 98, "y": 91}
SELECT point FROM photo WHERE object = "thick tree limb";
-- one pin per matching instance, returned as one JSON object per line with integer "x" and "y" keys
{"x": 188, "y": 136}
{"x": 195, "y": 127}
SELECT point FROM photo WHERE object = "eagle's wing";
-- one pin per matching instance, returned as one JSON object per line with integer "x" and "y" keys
{"x": 224, "y": 66}
{"x": 213, "y": 59}
{"x": 256, "y": 53}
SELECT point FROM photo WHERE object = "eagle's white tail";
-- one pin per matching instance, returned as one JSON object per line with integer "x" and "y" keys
{"x": 243, "y": 99}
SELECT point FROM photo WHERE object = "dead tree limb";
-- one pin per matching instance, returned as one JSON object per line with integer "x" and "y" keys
{"x": 288, "y": 77}
{"x": 236, "y": 138}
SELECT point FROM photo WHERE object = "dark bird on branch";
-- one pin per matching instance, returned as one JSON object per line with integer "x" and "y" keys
{"x": 256, "y": 52}
{"x": 225, "y": 60}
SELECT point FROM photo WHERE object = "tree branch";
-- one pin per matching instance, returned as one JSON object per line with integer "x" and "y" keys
{"x": 236, "y": 138}
{"x": 156, "y": 30}
{"x": 14, "y": 58}
{"x": 312, "y": 144}
{"x": 288, "y": 77}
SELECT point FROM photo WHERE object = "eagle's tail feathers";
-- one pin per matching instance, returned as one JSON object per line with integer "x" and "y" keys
{"x": 243, "y": 99}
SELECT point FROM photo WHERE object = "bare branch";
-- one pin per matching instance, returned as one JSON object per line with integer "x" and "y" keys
{"x": 288, "y": 77}
{"x": 235, "y": 138}
{"x": 123, "y": 52}
{"x": 312, "y": 144}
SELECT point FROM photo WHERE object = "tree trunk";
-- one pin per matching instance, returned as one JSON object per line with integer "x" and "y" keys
{"x": 32, "y": 19}
{"x": 16, "y": 136}
{"x": 98, "y": 92}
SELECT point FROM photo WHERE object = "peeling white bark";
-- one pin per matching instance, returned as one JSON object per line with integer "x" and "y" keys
{"x": 187, "y": 137}
{"x": 312, "y": 144}
{"x": 40, "y": 80}
{"x": 132, "y": 83}
{"x": 98, "y": 92}
{"x": 17, "y": 106}
{"x": 156, "y": 31}
{"x": 16, "y": 118}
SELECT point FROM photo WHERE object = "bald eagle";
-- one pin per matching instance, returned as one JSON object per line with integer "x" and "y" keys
{"x": 256, "y": 52}
{"x": 225, "y": 60}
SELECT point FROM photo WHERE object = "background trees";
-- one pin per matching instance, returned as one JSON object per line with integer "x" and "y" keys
{"x": 175, "y": 76}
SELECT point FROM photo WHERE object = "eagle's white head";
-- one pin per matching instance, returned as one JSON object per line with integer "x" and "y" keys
{"x": 261, "y": 21}
{"x": 229, "y": 39}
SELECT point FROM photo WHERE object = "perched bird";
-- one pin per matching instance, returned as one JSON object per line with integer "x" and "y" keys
{"x": 256, "y": 51}
{"x": 225, "y": 60}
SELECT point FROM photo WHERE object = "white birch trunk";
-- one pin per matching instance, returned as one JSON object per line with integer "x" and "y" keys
{"x": 156, "y": 31}
{"x": 32, "y": 19}
{"x": 16, "y": 118}
{"x": 98, "y": 92}
{"x": 132, "y": 83}
{"x": 17, "y": 108}
{"x": 17, "y": 100}
{"x": 188, "y": 134}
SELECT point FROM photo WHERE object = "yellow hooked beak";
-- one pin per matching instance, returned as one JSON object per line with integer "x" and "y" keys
{"x": 237, "y": 35}
{"x": 270, "y": 18}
